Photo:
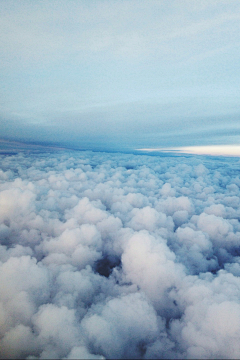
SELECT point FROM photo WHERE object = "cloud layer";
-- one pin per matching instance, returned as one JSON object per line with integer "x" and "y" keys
{"x": 119, "y": 256}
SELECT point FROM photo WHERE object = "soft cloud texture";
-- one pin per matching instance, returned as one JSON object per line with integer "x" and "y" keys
{"x": 119, "y": 256}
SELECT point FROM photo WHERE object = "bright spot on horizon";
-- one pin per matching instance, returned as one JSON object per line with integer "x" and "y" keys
{"x": 224, "y": 150}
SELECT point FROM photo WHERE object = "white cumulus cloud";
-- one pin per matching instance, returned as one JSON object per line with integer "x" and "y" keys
{"x": 119, "y": 256}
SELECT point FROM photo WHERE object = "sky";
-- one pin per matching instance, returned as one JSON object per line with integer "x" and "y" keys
{"x": 120, "y": 75}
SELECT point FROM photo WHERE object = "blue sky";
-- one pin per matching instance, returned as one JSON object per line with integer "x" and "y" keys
{"x": 115, "y": 75}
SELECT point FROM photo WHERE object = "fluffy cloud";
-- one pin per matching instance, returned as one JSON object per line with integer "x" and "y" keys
{"x": 119, "y": 256}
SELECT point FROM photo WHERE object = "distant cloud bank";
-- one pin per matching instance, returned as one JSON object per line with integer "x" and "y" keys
{"x": 119, "y": 256}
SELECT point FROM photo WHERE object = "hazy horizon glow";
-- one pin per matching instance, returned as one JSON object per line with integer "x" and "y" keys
{"x": 224, "y": 150}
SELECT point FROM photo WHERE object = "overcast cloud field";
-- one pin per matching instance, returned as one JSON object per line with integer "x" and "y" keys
{"x": 110, "y": 255}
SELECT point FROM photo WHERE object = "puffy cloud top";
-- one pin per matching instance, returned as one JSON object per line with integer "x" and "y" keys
{"x": 119, "y": 256}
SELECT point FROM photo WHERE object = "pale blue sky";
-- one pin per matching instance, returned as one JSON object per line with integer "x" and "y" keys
{"x": 120, "y": 74}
